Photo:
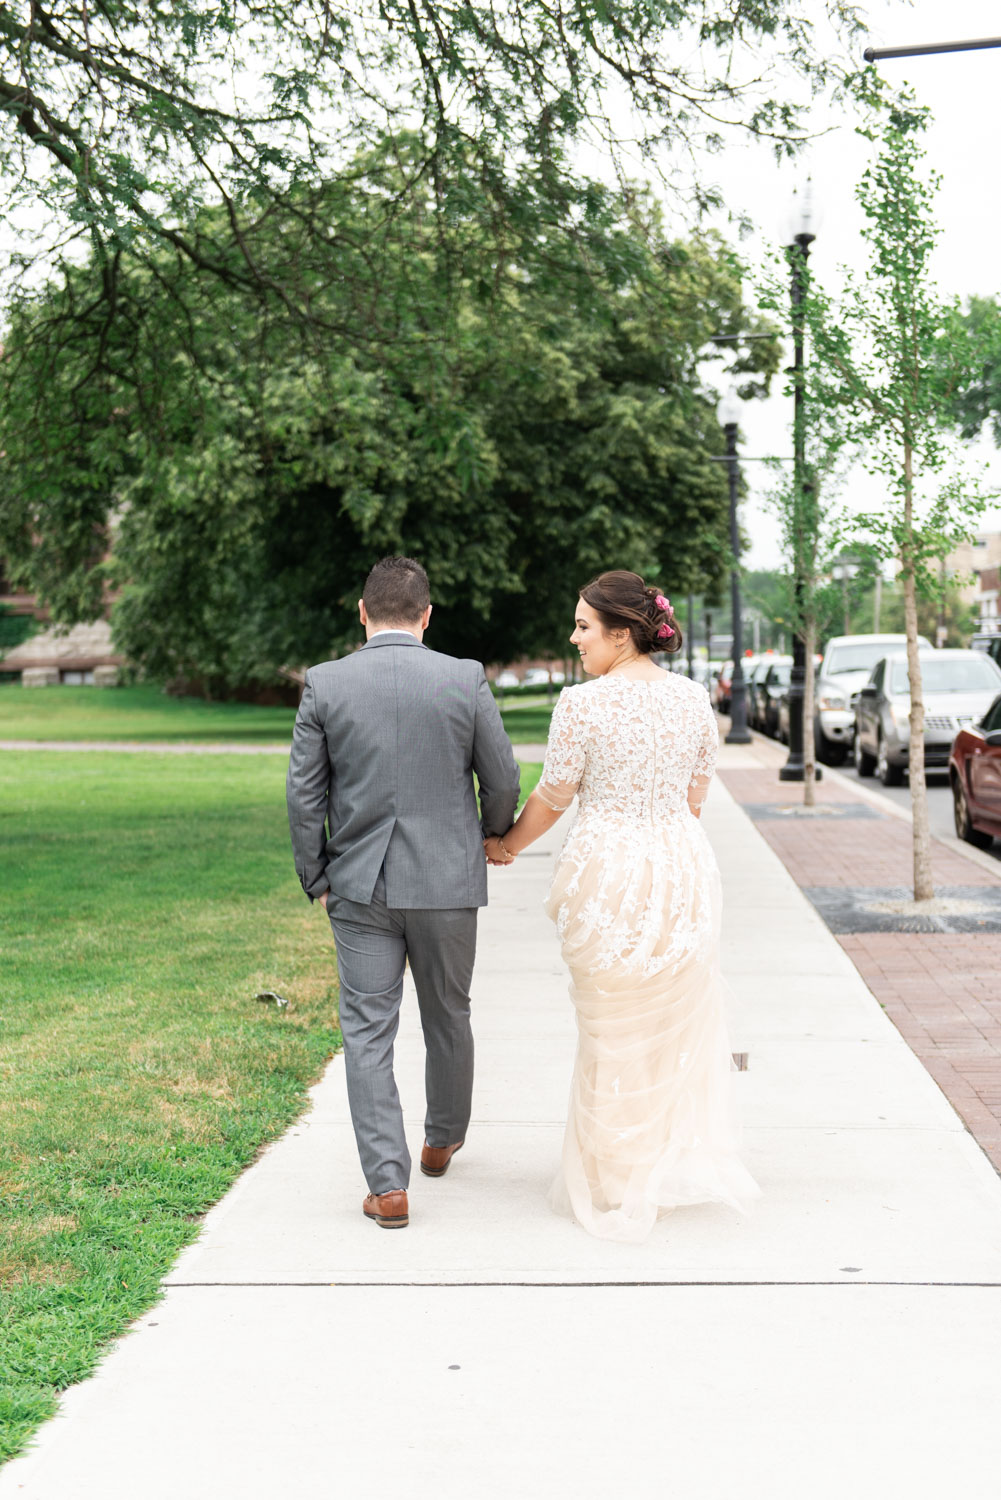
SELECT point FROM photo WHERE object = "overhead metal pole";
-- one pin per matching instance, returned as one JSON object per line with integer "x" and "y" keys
{"x": 930, "y": 49}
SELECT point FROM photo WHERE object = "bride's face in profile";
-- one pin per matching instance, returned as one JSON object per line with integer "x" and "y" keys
{"x": 599, "y": 649}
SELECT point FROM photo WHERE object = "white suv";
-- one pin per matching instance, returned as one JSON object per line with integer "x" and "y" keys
{"x": 846, "y": 666}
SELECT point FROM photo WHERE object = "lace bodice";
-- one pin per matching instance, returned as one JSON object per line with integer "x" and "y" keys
{"x": 630, "y": 749}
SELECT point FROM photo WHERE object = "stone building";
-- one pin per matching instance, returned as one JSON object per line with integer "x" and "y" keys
{"x": 81, "y": 655}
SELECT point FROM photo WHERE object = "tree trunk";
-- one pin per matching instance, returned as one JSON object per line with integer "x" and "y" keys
{"x": 809, "y": 739}
{"x": 924, "y": 890}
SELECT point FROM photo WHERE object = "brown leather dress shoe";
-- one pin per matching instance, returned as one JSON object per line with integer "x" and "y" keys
{"x": 389, "y": 1210}
{"x": 435, "y": 1159}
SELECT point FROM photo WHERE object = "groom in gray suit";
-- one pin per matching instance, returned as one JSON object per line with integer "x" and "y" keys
{"x": 385, "y": 745}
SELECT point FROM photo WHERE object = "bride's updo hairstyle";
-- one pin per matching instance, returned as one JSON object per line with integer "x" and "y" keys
{"x": 622, "y": 601}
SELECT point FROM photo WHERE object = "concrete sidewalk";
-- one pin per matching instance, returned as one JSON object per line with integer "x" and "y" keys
{"x": 840, "y": 1341}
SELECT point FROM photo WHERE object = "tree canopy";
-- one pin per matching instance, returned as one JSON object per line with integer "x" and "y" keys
{"x": 517, "y": 438}
{"x": 124, "y": 117}
{"x": 326, "y": 277}
{"x": 976, "y": 400}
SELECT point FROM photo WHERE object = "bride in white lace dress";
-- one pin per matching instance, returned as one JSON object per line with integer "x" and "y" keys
{"x": 636, "y": 902}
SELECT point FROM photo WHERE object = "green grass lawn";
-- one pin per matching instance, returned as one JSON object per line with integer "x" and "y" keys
{"x": 527, "y": 726}
{"x": 144, "y": 900}
{"x": 146, "y": 713}
{"x": 134, "y": 713}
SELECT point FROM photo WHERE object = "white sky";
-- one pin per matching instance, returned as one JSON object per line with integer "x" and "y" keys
{"x": 962, "y": 90}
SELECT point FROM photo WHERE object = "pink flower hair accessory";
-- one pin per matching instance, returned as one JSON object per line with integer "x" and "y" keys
{"x": 665, "y": 632}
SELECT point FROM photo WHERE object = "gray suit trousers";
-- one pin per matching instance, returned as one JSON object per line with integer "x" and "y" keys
{"x": 374, "y": 942}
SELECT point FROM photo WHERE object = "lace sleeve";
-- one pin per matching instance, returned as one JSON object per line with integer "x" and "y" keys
{"x": 565, "y": 754}
{"x": 705, "y": 758}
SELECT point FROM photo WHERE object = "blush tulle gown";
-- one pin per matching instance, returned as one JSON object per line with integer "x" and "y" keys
{"x": 636, "y": 902}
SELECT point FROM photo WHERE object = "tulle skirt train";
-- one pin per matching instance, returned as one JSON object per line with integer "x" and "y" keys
{"x": 651, "y": 1123}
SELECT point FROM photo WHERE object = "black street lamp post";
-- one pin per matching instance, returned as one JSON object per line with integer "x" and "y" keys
{"x": 728, "y": 412}
{"x": 799, "y": 251}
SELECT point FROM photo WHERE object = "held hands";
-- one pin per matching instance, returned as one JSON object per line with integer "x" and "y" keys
{"x": 495, "y": 851}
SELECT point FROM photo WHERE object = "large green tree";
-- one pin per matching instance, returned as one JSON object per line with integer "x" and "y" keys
{"x": 192, "y": 173}
{"x": 251, "y": 475}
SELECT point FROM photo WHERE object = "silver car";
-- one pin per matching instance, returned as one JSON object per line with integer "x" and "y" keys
{"x": 846, "y": 667}
{"x": 754, "y": 679}
{"x": 959, "y": 687}
{"x": 771, "y": 691}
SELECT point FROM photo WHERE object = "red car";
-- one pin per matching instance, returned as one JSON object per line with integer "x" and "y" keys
{"x": 975, "y": 778}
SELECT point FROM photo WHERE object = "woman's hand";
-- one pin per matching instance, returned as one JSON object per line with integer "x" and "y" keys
{"x": 495, "y": 851}
{"x": 535, "y": 819}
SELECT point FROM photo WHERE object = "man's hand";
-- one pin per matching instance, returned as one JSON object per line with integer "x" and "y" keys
{"x": 323, "y": 899}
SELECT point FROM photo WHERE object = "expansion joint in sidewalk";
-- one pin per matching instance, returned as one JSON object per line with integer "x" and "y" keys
{"x": 571, "y": 1285}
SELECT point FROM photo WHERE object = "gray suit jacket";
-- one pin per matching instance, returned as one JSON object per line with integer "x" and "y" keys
{"x": 385, "y": 745}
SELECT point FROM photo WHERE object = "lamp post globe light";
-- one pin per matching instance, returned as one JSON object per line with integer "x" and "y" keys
{"x": 728, "y": 411}
{"x": 802, "y": 233}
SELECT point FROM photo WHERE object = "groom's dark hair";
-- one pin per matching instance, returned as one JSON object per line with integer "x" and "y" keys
{"x": 396, "y": 592}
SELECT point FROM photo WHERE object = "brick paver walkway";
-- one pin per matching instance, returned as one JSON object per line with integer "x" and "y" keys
{"x": 942, "y": 990}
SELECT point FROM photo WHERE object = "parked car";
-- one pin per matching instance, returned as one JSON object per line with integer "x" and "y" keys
{"x": 506, "y": 679}
{"x": 702, "y": 674}
{"x": 755, "y": 679}
{"x": 713, "y": 669}
{"x": 846, "y": 666}
{"x": 782, "y": 728}
{"x": 748, "y": 666}
{"x": 989, "y": 642}
{"x": 721, "y": 688}
{"x": 774, "y": 687}
{"x": 975, "y": 778}
{"x": 724, "y": 678}
{"x": 958, "y": 686}
{"x": 541, "y": 677}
